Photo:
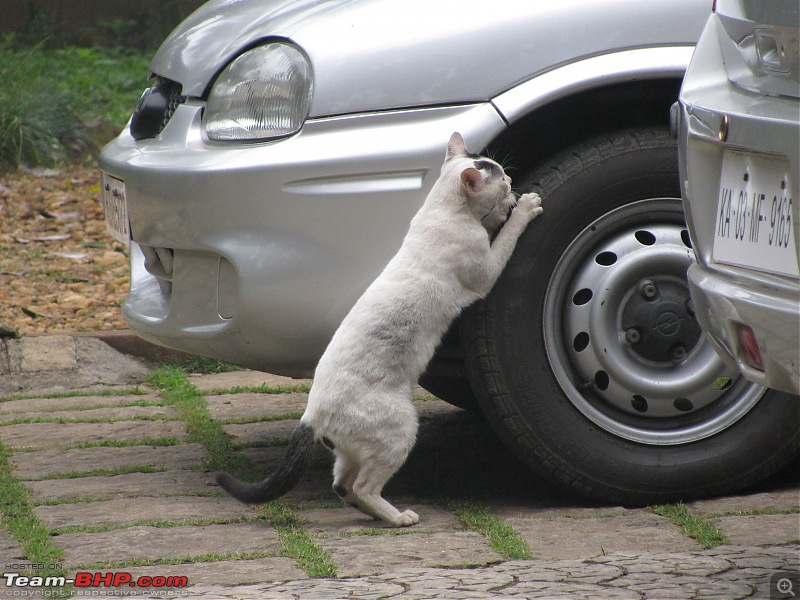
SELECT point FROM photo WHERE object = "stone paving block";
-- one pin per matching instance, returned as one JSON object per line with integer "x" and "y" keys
{"x": 228, "y": 572}
{"x": 35, "y": 465}
{"x": 431, "y": 407}
{"x": 371, "y": 554}
{"x": 311, "y": 589}
{"x": 130, "y": 485}
{"x": 122, "y": 511}
{"x": 345, "y": 520}
{"x": 46, "y": 436}
{"x": 111, "y": 413}
{"x": 251, "y": 433}
{"x": 70, "y": 403}
{"x": 777, "y": 500}
{"x": 760, "y": 530}
{"x": 564, "y": 538}
{"x": 254, "y": 406}
{"x": 46, "y": 364}
{"x": 243, "y": 379}
{"x": 149, "y": 543}
{"x": 40, "y": 353}
{"x": 548, "y": 508}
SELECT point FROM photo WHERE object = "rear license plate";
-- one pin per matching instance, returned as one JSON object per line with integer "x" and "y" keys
{"x": 756, "y": 214}
{"x": 116, "y": 208}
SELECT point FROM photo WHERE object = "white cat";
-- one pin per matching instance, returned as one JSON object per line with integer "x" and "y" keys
{"x": 360, "y": 402}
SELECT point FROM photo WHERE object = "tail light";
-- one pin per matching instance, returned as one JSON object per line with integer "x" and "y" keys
{"x": 751, "y": 353}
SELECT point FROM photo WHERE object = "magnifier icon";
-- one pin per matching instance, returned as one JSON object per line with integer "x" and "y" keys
{"x": 785, "y": 586}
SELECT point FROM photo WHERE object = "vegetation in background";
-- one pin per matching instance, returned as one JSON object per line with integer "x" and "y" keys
{"x": 63, "y": 104}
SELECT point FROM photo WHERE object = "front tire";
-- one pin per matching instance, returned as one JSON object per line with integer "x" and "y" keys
{"x": 586, "y": 357}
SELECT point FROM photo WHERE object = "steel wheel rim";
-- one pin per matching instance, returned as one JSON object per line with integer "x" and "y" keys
{"x": 644, "y": 393}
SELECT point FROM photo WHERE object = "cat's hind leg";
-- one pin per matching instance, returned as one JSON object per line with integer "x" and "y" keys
{"x": 367, "y": 491}
{"x": 345, "y": 471}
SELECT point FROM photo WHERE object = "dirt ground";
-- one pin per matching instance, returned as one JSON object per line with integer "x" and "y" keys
{"x": 60, "y": 270}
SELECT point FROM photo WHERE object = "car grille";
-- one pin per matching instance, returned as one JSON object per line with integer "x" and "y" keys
{"x": 155, "y": 109}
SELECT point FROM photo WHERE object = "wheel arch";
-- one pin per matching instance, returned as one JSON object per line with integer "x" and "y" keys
{"x": 572, "y": 113}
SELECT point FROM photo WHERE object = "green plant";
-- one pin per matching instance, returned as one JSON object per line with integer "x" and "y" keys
{"x": 500, "y": 534}
{"x": 705, "y": 532}
{"x": 63, "y": 104}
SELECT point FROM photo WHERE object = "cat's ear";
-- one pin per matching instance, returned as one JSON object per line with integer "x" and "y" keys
{"x": 472, "y": 179}
{"x": 455, "y": 147}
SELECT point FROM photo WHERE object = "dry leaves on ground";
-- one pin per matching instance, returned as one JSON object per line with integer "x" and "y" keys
{"x": 59, "y": 268}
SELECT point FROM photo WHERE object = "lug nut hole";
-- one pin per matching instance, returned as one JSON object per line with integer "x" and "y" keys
{"x": 581, "y": 342}
{"x": 605, "y": 259}
{"x": 601, "y": 380}
{"x": 582, "y": 297}
{"x": 639, "y": 403}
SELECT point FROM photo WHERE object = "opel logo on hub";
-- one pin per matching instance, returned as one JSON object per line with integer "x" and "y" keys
{"x": 668, "y": 323}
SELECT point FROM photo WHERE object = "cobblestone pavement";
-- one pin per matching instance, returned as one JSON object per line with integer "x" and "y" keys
{"x": 114, "y": 473}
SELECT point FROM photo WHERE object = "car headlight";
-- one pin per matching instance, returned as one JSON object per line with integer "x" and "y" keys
{"x": 264, "y": 93}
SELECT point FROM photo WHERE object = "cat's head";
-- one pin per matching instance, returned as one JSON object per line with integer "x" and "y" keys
{"x": 483, "y": 185}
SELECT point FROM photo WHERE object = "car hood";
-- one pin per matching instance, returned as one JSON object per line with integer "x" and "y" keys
{"x": 383, "y": 54}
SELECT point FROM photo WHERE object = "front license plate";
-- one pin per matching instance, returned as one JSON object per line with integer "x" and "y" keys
{"x": 116, "y": 208}
{"x": 756, "y": 214}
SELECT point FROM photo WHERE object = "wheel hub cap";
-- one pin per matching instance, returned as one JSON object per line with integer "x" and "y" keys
{"x": 629, "y": 353}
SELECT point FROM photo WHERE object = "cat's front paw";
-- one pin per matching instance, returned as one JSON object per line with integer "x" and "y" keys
{"x": 529, "y": 205}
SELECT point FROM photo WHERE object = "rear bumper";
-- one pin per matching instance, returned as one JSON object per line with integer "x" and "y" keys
{"x": 715, "y": 116}
{"x": 722, "y": 302}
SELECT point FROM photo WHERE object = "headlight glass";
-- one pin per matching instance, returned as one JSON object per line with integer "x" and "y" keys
{"x": 262, "y": 94}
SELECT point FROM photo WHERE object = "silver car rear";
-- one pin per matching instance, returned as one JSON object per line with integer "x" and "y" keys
{"x": 739, "y": 146}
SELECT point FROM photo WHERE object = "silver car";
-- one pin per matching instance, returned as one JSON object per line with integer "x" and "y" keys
{"x": 740, "y": 163}
{"x": 273, "y": 167}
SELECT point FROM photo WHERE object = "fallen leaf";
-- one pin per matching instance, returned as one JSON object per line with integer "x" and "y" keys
{"x": 43, "y": 238}
{"x": 70, "y": 255}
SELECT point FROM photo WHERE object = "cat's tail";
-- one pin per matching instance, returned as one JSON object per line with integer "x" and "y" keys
{"x": 283, "y": 479}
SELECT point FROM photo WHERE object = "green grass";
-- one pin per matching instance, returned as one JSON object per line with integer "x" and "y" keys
{"x": 205, "y": 366}
{"x": 262, "y": 419}
{"x": 296, "y": 542}
{"x": 178, "y": 392}
{"x": 61, "y": 104}
{"x": 155, "y": 523}
{"x": 64, "y": 420}
{"x": 136, "y": 391}
{"x": 500, "y": 535}
{"x": 123, "y": 470}
{"x": 260, "y": 389}
{"x": 704, "y": 532}
{"x": 175, "y": 560}
{"x": 23, "y": 524}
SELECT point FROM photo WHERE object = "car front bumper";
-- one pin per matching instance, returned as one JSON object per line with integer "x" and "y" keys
{"x": 253, "y": 253}
{"x": 716, "y": 117}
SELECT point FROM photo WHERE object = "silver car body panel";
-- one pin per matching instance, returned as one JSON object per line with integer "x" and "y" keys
{"x": 723, "y": 110}
{"x": 372, "y": 54}
{"x": 273, "y": 242}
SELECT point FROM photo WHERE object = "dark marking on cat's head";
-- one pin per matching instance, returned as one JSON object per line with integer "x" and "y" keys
{"x": 490, "y": 166}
